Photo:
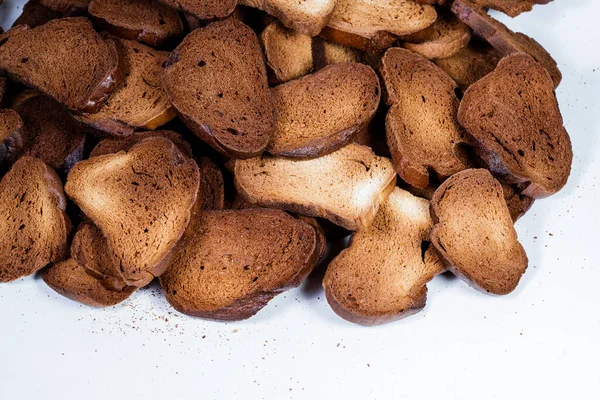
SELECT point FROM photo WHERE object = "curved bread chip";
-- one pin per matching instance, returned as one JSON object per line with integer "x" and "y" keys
{"x": 308, "y": 17}
{"x": 204, "y": 9}
{"x": 514, "y": 118}
{"x": 233, "y": 262}
{"x": 502, "y": 38}
{"x": 381, "y": 276}
{"x": 375, "y": 25}
{"x": 33, "y": 219}
{"x": 470, "y": 64}
{"x": 346, "y": 186}
{"x": 141, "y": 200}
{"x": 147, "y": 21}
{"x": 64, "y": 58}
{"x": 421, "y": 126}
{"x": 51, "y": 134}
{"x": 474, "y": 232}
{"x": 444, "y": 38}
{"x": 322, "y": 112}
{"x": 114, "y": 145}
{"x": 35, "y": 14}
{"x": 11, "y": 137}
{"x": 72, "y": 281}
{"x": 141, "y": 101}
{"x": 217, "y": 80}
{"x": 67, "y": 6}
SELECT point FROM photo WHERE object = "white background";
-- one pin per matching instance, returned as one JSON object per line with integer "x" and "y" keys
{"x": 542, "y": 341}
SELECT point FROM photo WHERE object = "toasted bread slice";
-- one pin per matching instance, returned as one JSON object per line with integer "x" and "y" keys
{"x": 212, "y": 186}
{"x": 71, "y": 7}
{"x": 344, "y": 97}
{"x": 72, "y": 281}
{"x": 114, "y": 145}
{"x": 511, "y": 7}
{"x": 233, "y": 262}
{"x": 288, "y": 53}
{"x": 147, "y": 21}
{"x": 50, "y": 132}
{"x": 375, "y": 25}
{"x": 474, "y": 232}
{"x": 141, "y": 200}
{"x": 502, "y": 38}
{"x": 64, "y": 58}
{"x": 217, "y": 80}
{"x": 346, "y": 186}
{"x": 381, "y": 276}
{"x": 35, "y": 14}
{"x": 444, "y": 38}
{"x": 308, "y": 17}
{"x": 470, "y": 64}
{"x": 204, "y": 9}
{"x": 34, "y": 224}
{"x": 11, "y": 138}
{"x": 421, "y": 126}
{"x": 514, "y": 118}
{"x": 141, "y": 102}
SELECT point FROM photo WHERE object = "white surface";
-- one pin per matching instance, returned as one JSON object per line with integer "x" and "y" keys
{"x": 539, "y": 342}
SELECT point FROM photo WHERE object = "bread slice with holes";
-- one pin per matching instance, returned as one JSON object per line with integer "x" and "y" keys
{"x": 382, "y": 275}
{"x": 421, "y": 126}
{"x": 33, "y": 220}
{"x": 308, "y": 17}
{"x": 217, "y": 80}
{"x": 68, "y": 7}
{"x": 50, "y": 132}
{"x": 147, "y": 21}
{"x": 375, "y": 25}
{"x": 347, "y": 186}
{"x": 470, "y": 64}
{"x": 141, "y": 200}
{"x": 502, "y": 38}
{"x": 321, "y": 112}
{"x": 204, "y": 9}
{"x": 11, "y": 138}
{"x": 64, "y": 58}
{"x": 231, "y": 263}
{"x": 474, "y": 232}
{"x": 72, "y": 281}
{"x": 35, "y": 14}
{"x": 513, "y": 116}
{"x": 444, "y": 38}
{"x": 140, "y": 102}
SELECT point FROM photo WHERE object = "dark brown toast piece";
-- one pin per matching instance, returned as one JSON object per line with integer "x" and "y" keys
{"x": 34, "y": 224}
{"x": 518, "y": 204}
{"x": 72, "y": 281}
{"x": 114, "y": 145}
{"x": 50, "y": 132}
{"x": 346, "y": 186}
{"x": 470, "y": 64}
{"x": 11, "y": 138}
{"x": 502, "y": 38}
{"x": 511, "y": 7}
{"x": 231, "y": 263}
{"x": 474, "y": 232}
{"x": 147, "y": 21}
{"x": 375, "y": 25}
{"x": 444, "y": 38}
{"x": 212, "y": 186}
{"x": 204, "y": 9}
{"x": 217, "y": 80}
{"x": 64, "y": 58}
{"x": 421, "y": 126}
{"x": 513, "y": 116}
{"x": 140, "y": 102}
{"x": 71, "y": 7}
{"x": 141, "y": 200}
{"x": 382, "y": 275}
{"x": 308, "y": 17}
{"x": 321, "y": 112}
{"x": 35, "y": 14}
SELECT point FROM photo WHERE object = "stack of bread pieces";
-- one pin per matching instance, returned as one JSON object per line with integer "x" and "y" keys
{"x": 218, "y": 146}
